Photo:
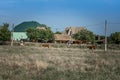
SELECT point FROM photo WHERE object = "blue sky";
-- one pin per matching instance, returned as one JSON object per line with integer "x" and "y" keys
{"x": 59, "y": 14}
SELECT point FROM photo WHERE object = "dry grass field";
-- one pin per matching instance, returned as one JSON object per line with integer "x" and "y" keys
{"x": 36, "y": 63}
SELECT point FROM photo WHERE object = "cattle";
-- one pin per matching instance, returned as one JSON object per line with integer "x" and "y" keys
{"x": 21, "y": 43}
{"x": 77, "y": 42}
{"x": 84, "y": 42}
{"x": 91, "y": 47}
{"x": 46, "y": 45}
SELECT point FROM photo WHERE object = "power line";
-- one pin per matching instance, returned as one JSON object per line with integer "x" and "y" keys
{"x": 90, "y": 25}
{"x": 86, "y": 25}
{"x": 113, "y": 23}
{"x": 95, "y": 24}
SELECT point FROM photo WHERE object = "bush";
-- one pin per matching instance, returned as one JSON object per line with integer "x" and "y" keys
{"x": 84, "y": 35}
{"x": 115, "y": 38}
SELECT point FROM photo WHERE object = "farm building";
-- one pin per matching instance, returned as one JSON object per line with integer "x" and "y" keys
{"x": 66, "y": 35}
{"x": 61, "y": 38}
{"x": 72, "y": 30}
{"x": 17, "y": 36}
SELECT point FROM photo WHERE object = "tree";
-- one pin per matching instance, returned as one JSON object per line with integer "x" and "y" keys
{"x": 84, "y": 35}
{"x": 31, "y": 33}
{"x": 115, "y": 38}
{"x": 5, "y": 34}
{"x": 58, "y": 32}
{"x": 40, "y": 35}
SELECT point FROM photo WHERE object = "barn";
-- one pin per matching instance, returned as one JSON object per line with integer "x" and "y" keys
{"x": 61, "y": 38}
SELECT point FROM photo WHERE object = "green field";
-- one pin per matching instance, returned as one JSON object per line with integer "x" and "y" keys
{"x": 37, "y": 63}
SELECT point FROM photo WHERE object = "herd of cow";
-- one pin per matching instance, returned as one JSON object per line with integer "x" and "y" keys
{"x": 90, "y": 46}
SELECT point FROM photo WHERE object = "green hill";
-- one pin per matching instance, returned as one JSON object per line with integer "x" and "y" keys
{"x": 22, "y": 27}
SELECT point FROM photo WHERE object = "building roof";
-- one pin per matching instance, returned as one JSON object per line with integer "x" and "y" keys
{"x": 62, "y": 37}
{"x": 22, "y": 27}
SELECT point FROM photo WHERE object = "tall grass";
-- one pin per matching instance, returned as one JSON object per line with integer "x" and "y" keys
{"x": 36, "y": 63}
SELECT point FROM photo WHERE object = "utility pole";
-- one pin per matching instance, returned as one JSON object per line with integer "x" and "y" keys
{"x": 12, "y": 35}
{"x": 105, "y": 35}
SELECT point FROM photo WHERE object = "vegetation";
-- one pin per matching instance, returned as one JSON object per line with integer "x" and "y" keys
{"x": 33, "y": 63}
{"x": 58, "y": 32}
{"x": 40, "y": 35}
{"x": 115, "y": 38}
{"x": 84, "y": 35}
{"x": 5, "y": 34}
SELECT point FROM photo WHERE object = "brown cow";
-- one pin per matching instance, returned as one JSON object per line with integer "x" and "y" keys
{"x": 77, "y": 42}
{"x": 45, "y": 45}
{"x": 91, "y": 47}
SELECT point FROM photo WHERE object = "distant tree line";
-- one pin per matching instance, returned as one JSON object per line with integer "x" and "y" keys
{"x": 87, "y": 35}
{"x": 47, "y": 35}
{"x": 115, "y": 38}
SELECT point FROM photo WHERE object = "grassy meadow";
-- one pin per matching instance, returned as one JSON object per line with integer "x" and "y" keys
{"x": 37, "y": 63}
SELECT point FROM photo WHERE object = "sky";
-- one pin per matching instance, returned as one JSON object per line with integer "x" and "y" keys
{"x": 59, "y": 14}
